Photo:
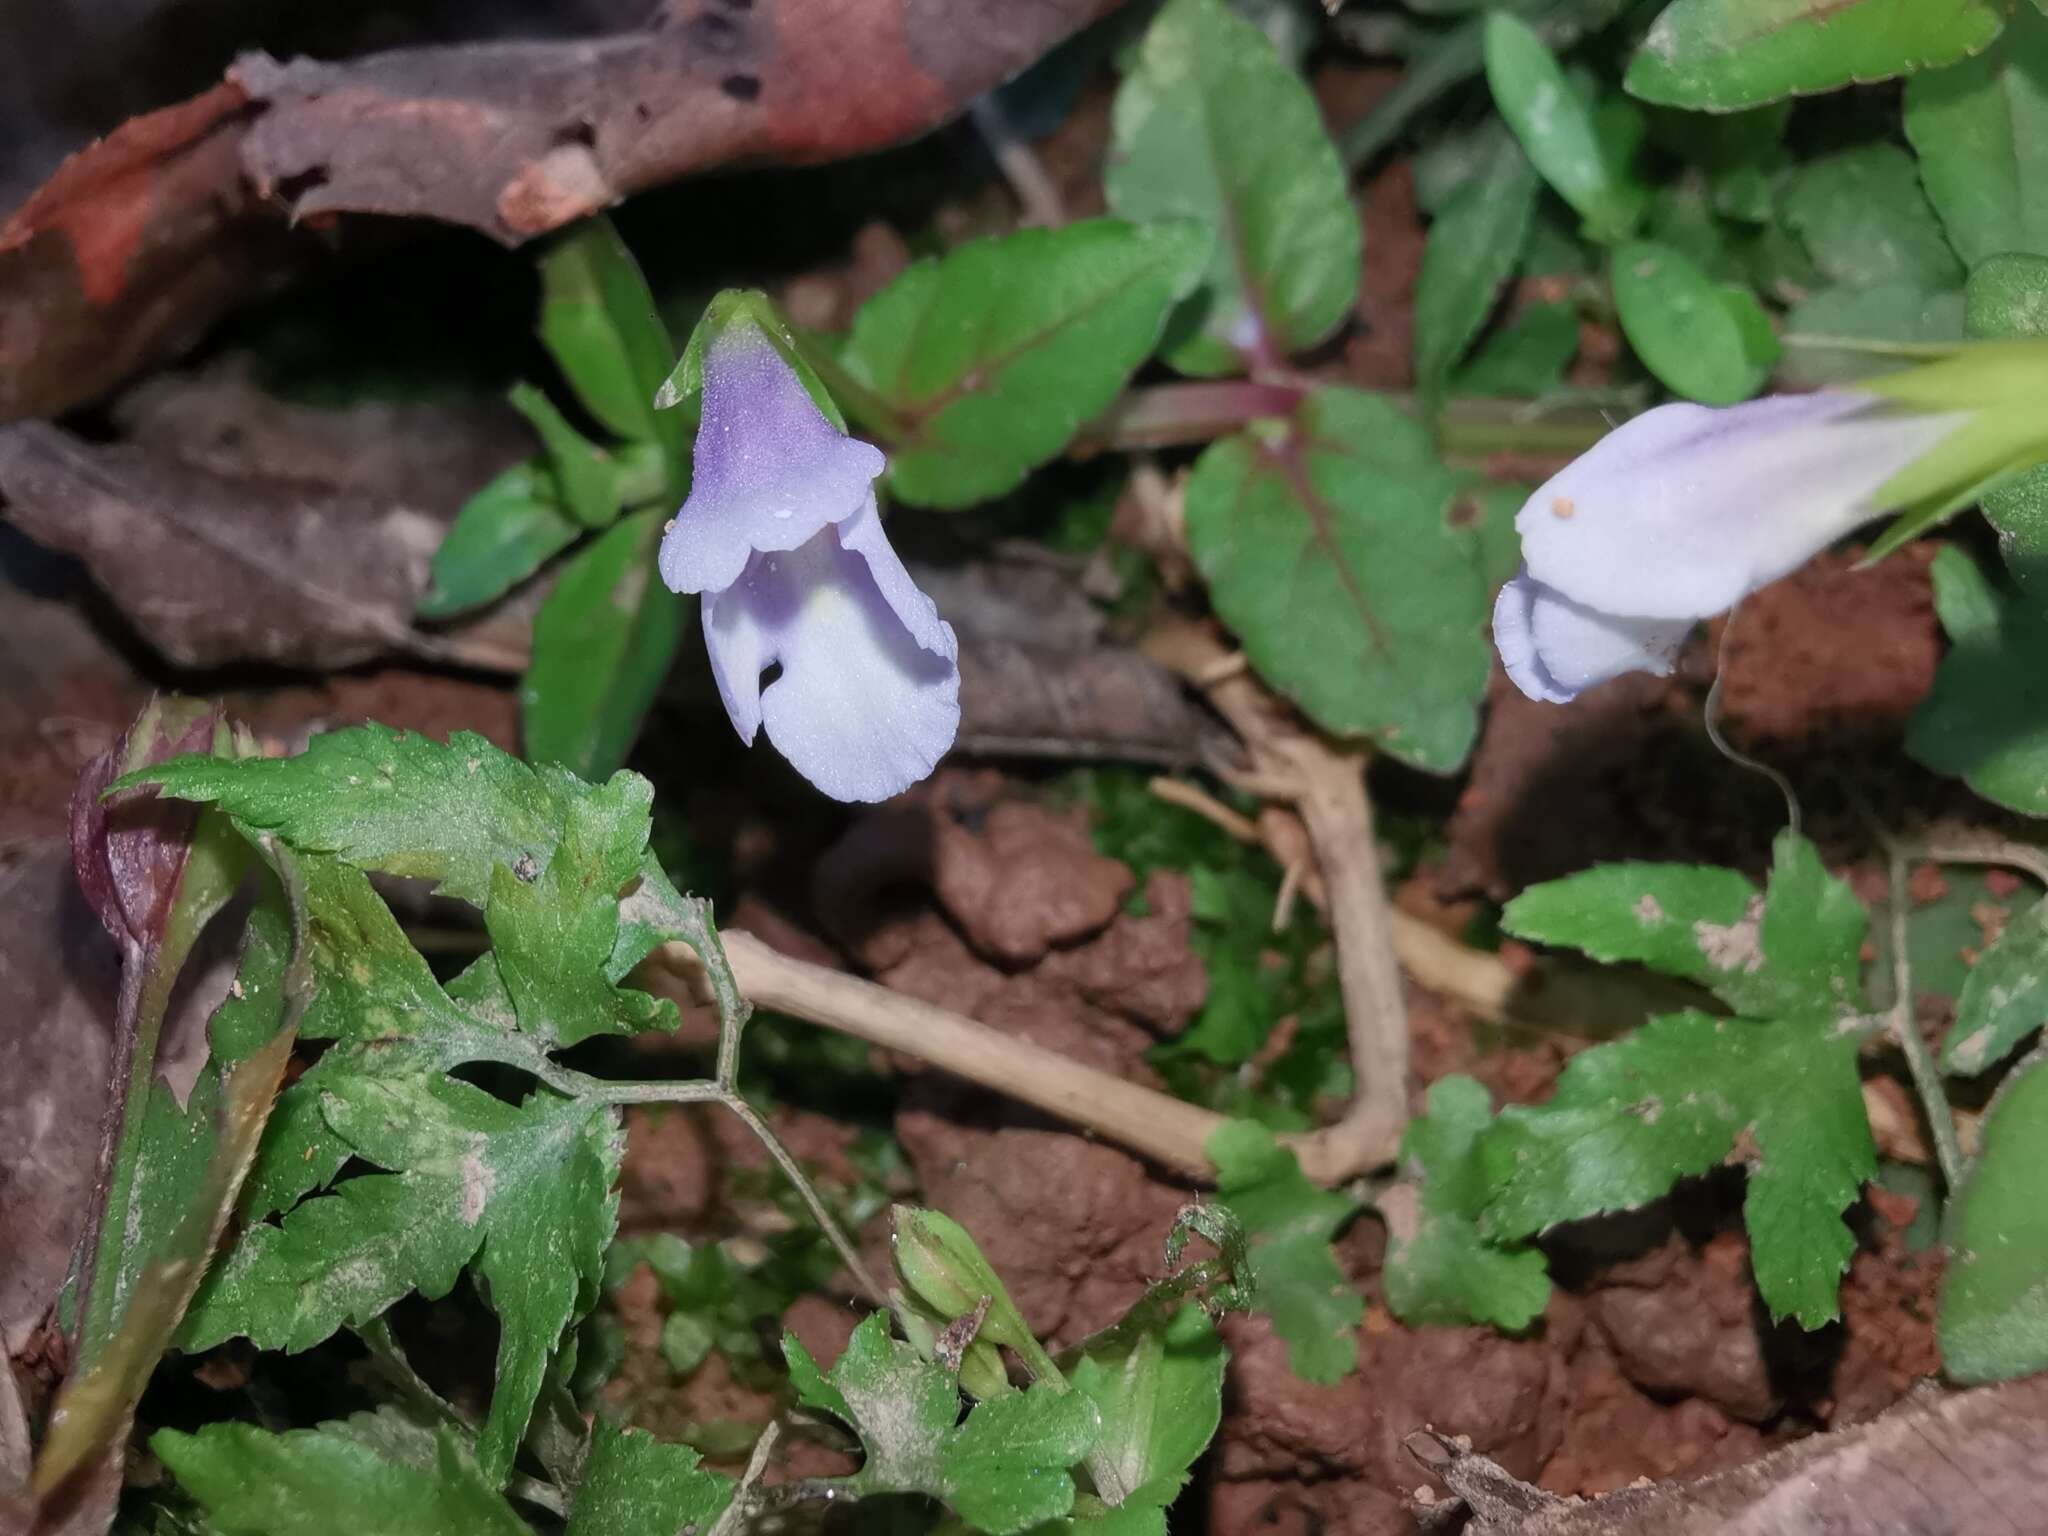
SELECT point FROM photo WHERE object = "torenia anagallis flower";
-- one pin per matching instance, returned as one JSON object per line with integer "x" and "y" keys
{"x": 1682, "y": 512}
{"x": 781, "y": 536}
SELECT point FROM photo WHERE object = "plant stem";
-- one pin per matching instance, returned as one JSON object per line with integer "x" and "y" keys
{"x": 1906, "y": 1031}
{"x": 793, "y": 1171}
{"x": 1170, "y": 415}
{"x": 1475, "y": 438}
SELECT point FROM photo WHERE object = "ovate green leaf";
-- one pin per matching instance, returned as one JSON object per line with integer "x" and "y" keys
{"x": 1558, "y": 129}
{"x": 601, "y": 647}
{"x": 1716, "y": 55}
{"x": 1994, "y": 1294}
{"x": 992, "y": 357}
{"x": 1986, "y": 719}
{"x": 503, "y": 534}
{"x": 1474, "y": 245}
{"x": 1980, "y": 129}
{"x": 2004, "y": 998}
{"x": 598, "y": 319}
{"x": 1866, "y": 221}
{"x": 1328, "y": 549}
{"x": 1708, "y": 341}
{"x": 1212, "y": 126}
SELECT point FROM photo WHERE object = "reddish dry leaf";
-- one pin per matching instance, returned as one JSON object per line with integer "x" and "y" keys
{"x": 145, "y": 238}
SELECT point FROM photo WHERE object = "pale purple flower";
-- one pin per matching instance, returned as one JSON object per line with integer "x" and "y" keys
{"x": 781, "y": 535}
{"x": 1678, "y": 515}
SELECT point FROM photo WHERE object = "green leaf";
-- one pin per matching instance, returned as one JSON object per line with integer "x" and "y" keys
{"x": 1558, "y": 130}
{"x": 393, "y": 801}
{"x": 1474, "y": 246}
{"x": 601, "y": 648}
{"x": 1993, "y": 1322}
{"x": 1672, "y": 1100}
{"x": 587, "y": 476}
{"x": 1986, "y": 718}
{"x": 598, "y": 319}
{"x": 1159, "y": 1393}
{"x": 331, "y": 1481}
{"x": 683, "y": 390}
{"x": 992, "y": 357}
{"x": 1717, "y": 55}
{"x": 553, "y": 935}
{"x": 636, "y": 1485}
{"x": 2004, "y": 996}
{"x": 1526, "y": 357}
{"x": 1002, "y": 1469}
{"x": 1885, "y": 312}
{"x": 523, "y": 1190}
{"x": 1328, "y": 548}
{"x": 1439, "y": 1269}
{"x": 2007, "y": 296}
{"x": 1211, "y": 125}
{"x": 1981, "y": 132}
{"x": 1708, "y": 341}
{"x": 1290, "y": 1222}
{"x": 1866, "y": 221}
{"x": 1797, "y": 950}
{"x": 503, "y": 534}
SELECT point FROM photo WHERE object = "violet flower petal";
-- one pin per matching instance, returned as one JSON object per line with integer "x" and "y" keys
{"x": 1684, "y": 510}
{"x": 868, "y": 699}
{"x": 769, "y": 469}
{"x": 1554, "y": 649}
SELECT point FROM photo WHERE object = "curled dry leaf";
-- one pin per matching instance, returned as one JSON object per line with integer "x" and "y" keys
{"x": 142, "y": 240}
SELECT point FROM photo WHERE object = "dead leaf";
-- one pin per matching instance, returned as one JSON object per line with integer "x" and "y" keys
{"x": 1041, "y": 677}
{"x": 146, "y": 237}
{"x": 212, "y": 568}
{"x": 1956, "y": 1464}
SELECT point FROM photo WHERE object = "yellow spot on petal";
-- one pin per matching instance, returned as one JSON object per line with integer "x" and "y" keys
{"x": 1562, "y": 506}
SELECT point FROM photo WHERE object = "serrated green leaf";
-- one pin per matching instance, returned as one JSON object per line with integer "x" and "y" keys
{"x": 636, "y": 1485}
{"x": 1993, "y": 1322}
{"x": 503, "y": 534}
{"x": 1002, "y": 1469}
{"x": 393, "y": 801}
{"x": 1558, "y": 129}
{"x": 1705, "y": 340}
{"x": 526, "y": 1187}
{"x": 553, "y": 935}
{"x": 588, "y": 478}
{"x": 1328, "y": 549}
{"x": 329, "y": 1482}
{"x": 598, "y": 319}
{"x": 1986, "y": 718}
{"x": 601, "y": 648}
{"x": 1980, "y": 129}
{"x": 1289, "y": 1222}
{"x": 1439, "y": 1269}
{"x": 1674, "y": 1099}
{"x": 1159, "y": 1394}
{"x": 1474, "y": 246}
{"x": 1211, "y": 125}
{"x": 992, "y": 357}
{"x": 1717, "y": 55}
{"x": 1796, "y": 950}
{"x": 1865, "y": 220}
